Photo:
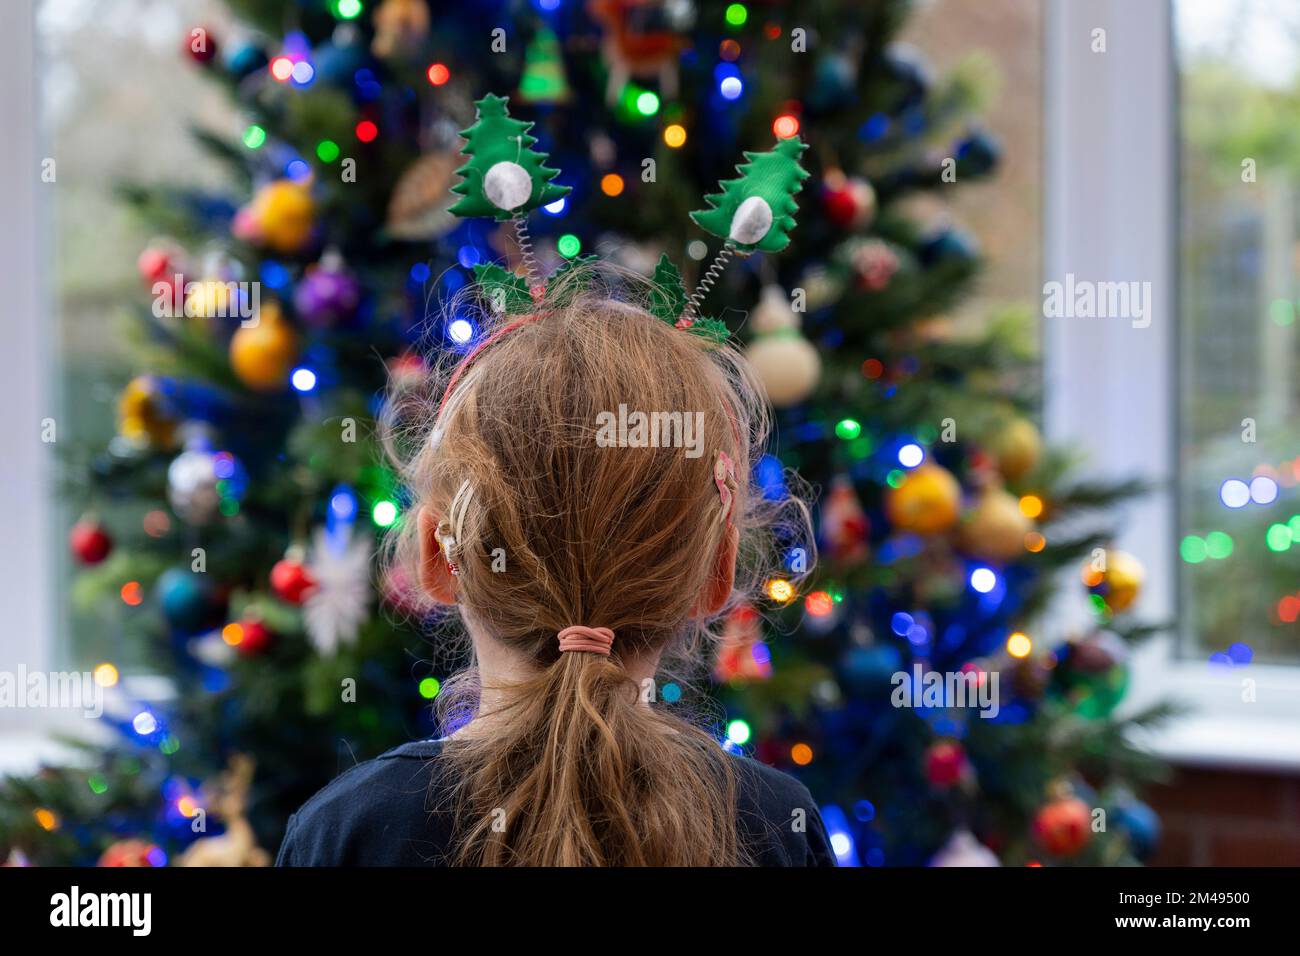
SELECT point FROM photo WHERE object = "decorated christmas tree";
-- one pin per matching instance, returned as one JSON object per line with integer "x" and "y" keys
{"x": 232, "y": 531}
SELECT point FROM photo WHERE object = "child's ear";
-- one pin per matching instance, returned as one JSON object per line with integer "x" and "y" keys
{"x": 435, "y": 577}
{"x": 722, "y": 581}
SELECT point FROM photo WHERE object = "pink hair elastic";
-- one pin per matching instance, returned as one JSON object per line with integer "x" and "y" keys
{"x": 594, "y": 640}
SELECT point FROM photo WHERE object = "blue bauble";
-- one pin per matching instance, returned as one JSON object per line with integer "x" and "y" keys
{"x": 910, "y": 73}
{"x": 870, "y": 670}
{"x": 978, "y": 154}
{"x": 337, "y": 63}
{"x": 189, "y": 603}
{"x": 246, "y": 59}
{"x": 1142, "y": 826}
{"x": 948, "y": 246}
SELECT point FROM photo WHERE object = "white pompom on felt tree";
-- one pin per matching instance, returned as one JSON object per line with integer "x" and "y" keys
{"x": 753, "y": 213}
{"x": 503, "y": 175}
{"x": 756, "y": 211}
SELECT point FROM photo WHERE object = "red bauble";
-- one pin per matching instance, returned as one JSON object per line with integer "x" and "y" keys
{"x": 841, "y": 205}
{"x": 945, "y": 763}
{"x": 200, "y": 44}
{"x": 130, "y": 853}
{"x": 291, "y": 580}
{"x": 89, "y": 541}
{"x": 155, "y": 263}
{"x": 256, "y": 637}
{"x": 1062, "y": 827}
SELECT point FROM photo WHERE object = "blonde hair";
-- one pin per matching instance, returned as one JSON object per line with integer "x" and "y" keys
{"x": 624, "y": 538}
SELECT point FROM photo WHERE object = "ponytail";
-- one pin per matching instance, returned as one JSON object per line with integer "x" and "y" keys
{"x": 583, "y": 773}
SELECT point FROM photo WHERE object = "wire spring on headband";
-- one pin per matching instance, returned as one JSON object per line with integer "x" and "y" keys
{"x": 706, "y": 283}
{"x": 525, "y": 243}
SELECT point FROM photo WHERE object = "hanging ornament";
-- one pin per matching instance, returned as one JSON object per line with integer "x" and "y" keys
{"x": 263, "y": 354}
{"x": 995, "y": 528}
{"x": 1116, "y": 577}
{"x": 1031, "y": 676}
{"x": 160, "y": 261}
{"x": 254, "y": 637}
{"x": 870, "y": 670}
{"x": 280, "y": 217}
{"x": 188, "y": 600}
{"x": 192, "y": 486}
{"x": 201, "y": 45}
{"x": 201, "y": 482}
{"x": 328, "y": 294}
{"x": 1095, "y": 696}
{"x": 543, "y": 79}
{"x": 948, "y": 246}
{"x": 910, "y": 74}
{"x": 89, "y": 540}
{"x": 850, "y": 201}
{"x": 874, "y": 263}
{"x": 844, "y": 524}
{"x": 946, "y": 764}
{"x": 962, "y": 849}
{"x": 418, "y": 207}
{"x": 742, "y": 655}
{"x": 1016, "y": 447}
{"x": 787, "y": 365}
{"x": 401, "y": 27}
{"x": 1142, "y": 826}
{"x": 290, "y": 579}
{"x": 245, "y": 60}
{"x": 926, "y": 501}
{"x": 143, "y": 417}
{"x": 641, "y": 41}
{"x": 132, "y": 853}
{"x": 335, "y": 609}
{"x": 977, "y": 155}
{"x": 1062, "y": 827}
{"x": 1097, "y": 653}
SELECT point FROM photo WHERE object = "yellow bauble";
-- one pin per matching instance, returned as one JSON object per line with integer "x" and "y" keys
{"x": 210, "y": 298}
{"x": 140, "y": 418}
{"x": 926, "y": 502}
{"x": 1121, "y": 581}
{"x": 1017, "y": 448}
{"x": 263, "y": 355}
{"x": 995, "y": 528}
{"x": 285, "y": 214}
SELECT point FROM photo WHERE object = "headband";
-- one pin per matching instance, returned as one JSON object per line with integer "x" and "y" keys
{"x": 504, "y": 178}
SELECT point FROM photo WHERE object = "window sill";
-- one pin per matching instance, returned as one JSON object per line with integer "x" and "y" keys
{"x": 1239, "y": 718}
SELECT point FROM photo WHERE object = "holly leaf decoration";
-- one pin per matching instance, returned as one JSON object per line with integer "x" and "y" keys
{"x": 714, "y": 330}
{"x": 506, "y": 291}
{"x": 756, "y": 211}
{"x": 566, "y": 281}
{"x": 503, "y": 175}
{"x": 668, "y": 295}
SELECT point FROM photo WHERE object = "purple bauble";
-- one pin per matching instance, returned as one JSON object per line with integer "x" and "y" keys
{"x": 327, "y": 296}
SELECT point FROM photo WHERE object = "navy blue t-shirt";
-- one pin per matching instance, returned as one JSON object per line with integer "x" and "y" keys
{"x": 393, "y": 811}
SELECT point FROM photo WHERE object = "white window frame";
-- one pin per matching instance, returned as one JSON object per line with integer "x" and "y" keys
{"x": 27, "y": 637}
{"x": 1111, "y": 213}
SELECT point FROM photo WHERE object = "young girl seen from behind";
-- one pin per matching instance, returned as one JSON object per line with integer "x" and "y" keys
{"x": 578, "y": 556}
{"x": 580, "y": 498}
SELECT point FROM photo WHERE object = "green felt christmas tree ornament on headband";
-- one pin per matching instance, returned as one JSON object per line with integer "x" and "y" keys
{"x": 505, "y": 178}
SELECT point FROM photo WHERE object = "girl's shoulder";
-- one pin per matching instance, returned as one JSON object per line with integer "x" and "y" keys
{"x": 383, "y": 812}
{"x": 779, "y": 818}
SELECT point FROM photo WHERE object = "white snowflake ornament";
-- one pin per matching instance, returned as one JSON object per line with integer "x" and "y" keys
{"x": 334, "y": 611}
